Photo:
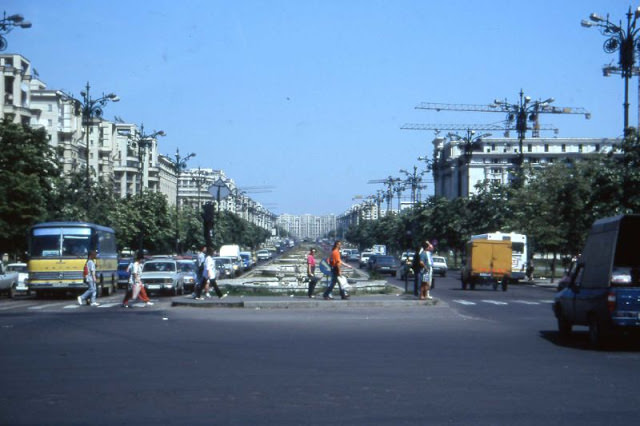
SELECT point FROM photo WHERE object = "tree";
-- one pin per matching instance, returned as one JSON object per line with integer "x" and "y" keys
{"x": 28, "y": 171}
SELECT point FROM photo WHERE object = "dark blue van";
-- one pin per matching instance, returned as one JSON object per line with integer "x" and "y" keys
{"x": 603, "y": 291}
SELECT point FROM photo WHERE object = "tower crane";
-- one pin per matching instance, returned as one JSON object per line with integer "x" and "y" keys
{"x": 518, "y": 114}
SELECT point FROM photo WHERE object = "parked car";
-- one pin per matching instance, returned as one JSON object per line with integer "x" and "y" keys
{"x": 225, "y": 267}
{"x": 162, "y": 275}
{"x": 123, "y": 273}
{"x": 385, "y": 265}
{"x": 364, "y": 258}
{"x": 263, "y": 254}
{"x": 23, "y": 277}
{"x": 189, "y": 270}
{"x": 440, "y": 265}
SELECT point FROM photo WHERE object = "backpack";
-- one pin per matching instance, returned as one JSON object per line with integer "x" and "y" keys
{"x": 85, "y": 271}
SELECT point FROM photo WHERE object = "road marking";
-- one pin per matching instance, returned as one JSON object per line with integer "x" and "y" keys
{"x": 546, "y": 301}
{"x": 495, "y": 302}
{"x": 108, "y": 305}
{"x": 526, "y": 302}
{"x": 14, "y": 306}
{"x": 72, "y": 307}
{"x": 44, "y": 306}
{"x": 463, "y": 302}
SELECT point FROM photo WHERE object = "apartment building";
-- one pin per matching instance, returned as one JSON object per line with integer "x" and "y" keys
{"x": 116, "y": 151}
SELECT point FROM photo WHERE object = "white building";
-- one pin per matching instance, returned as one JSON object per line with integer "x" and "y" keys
{"x": 116, "y": 152}
{"x": 456, "y": 174}
{"x": 307, "y": 226}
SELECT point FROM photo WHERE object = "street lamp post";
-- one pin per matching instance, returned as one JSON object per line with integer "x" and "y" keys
{"x": 413, "y": 180}
{"x": 93, "y": 108}
{"x": 8, "y": 23}
{"x": 199, "y": 179}
{"x": 90, "y": 109}
{"x": 624, "y": 41}
{"x": 179, "y": 165}
{"x": 522, "y": 112}
{"x": 471, "y": 143}
{"x": 141, "y": 142}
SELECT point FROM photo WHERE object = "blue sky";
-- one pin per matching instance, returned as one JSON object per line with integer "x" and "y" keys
{"x": 309, "y": 96}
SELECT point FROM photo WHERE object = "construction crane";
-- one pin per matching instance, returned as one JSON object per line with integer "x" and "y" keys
{"x": 506, "y": 127}
{"x": 518, "y": 114}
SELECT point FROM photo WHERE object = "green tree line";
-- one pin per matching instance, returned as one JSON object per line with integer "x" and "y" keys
{"x": 555, "y": 207}
{"x": 33, "y": 190}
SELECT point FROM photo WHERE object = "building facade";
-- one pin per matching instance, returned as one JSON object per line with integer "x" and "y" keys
{"x": 456, "y": 172}
{"x": 116, "y": 152}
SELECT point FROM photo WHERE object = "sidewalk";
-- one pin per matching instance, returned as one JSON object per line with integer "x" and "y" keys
{"x": 303, "y": 302}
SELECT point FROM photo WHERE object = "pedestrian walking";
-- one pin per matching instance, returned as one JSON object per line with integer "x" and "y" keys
{"x": 311, "y": 272}
{"x": 202, "y": 254}
{"x": 136, "y": 290}
{"x": 209, "y": 277}
{"x": 89, "y": 274}
{"x": 336, "y": 264}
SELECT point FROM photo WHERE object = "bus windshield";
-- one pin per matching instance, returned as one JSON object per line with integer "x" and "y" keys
{"x": 48, "y": 242}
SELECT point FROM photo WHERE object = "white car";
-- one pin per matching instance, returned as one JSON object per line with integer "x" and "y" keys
{"x": 10, "y": 278}
{"x": 439, "y": 265}
{"x": 23, "y": 276}
{"x": 263, "y": 254}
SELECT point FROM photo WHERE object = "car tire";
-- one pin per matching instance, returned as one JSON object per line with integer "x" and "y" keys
{"x": 596, "y": 332}
{"x": 564, "y": 326}
{"x": 12, "y": 291}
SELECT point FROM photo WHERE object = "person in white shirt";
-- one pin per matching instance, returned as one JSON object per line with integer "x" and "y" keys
{"x": 209, "y": 277}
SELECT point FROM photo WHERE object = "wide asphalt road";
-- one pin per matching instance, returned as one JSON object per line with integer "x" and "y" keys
{"x": 475, "y": 358}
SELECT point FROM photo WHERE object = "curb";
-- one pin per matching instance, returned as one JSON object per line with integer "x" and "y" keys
{"x": 304, "y": 303}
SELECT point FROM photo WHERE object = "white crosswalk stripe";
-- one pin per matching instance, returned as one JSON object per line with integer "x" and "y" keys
{"x": 43, "y": 306}
{"x": 463, "y": 302}
{"x": 495, "y": 302}
{"x": 526, "y": 302}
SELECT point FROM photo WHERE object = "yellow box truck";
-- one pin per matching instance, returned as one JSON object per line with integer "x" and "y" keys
{"x": 487, "y": 262}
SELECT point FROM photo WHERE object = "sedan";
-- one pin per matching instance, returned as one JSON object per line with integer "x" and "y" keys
{"x": 162, "y": 275}
{"x": 189, "y": 271}
{"x": 23, "y": 277}
{"x": 439, "y": 265}
{"x": 385, "y": 265}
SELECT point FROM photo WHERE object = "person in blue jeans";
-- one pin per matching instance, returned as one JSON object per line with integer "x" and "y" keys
{"x": 90, "y": 279}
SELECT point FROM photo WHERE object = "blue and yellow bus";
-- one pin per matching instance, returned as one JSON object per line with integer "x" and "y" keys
{"x": 58, "y": 252}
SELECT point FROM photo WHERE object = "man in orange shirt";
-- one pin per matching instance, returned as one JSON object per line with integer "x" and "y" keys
{"x": 335, "y": 262}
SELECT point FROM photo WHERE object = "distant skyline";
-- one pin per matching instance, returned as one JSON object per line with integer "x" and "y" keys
{"x": 309, "y": 97}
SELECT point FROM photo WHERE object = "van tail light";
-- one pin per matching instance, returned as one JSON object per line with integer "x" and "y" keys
{"x": 611, "y": 301}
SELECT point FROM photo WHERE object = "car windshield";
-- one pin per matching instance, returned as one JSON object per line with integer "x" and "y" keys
{"x": 439, "y": 259}
{"x": 159, "y": 267}
{"x": 187, "y": 267}
{"x": 17, "y": 268}
{"x": 385, "y": 260}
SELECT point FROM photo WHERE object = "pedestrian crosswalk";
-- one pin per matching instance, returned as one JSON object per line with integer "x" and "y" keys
{"x": 501, "y": 302}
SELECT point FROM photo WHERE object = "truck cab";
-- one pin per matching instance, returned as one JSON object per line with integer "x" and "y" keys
{"x": 603, "y": 291}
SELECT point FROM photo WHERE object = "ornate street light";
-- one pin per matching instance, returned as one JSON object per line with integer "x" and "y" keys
{"x": 624, "y": 41}
{"x": 522, "y": 112}
{"x": 90, "y": 109}
{"x": 141, "y": 142}
{"x": 8, "y": 23}
{"x": 179, "y": 165}
{"x": 413, "y": 180}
